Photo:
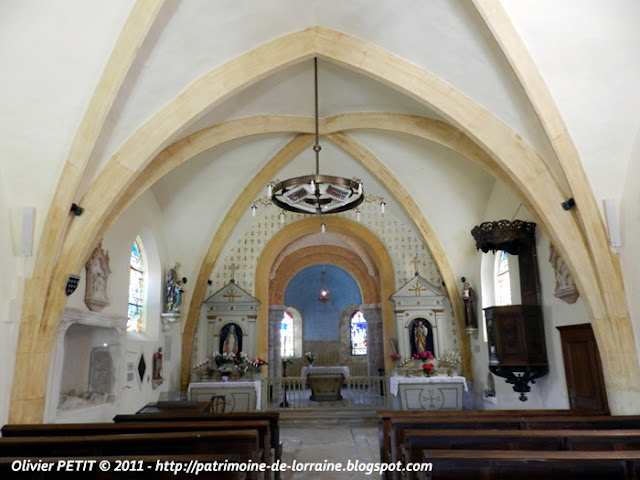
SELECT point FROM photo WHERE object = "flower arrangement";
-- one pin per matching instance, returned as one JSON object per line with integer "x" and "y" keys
{"x": 396, "y": 359}
{"x": 428, "y": 369}
{"x": 258, "y": 362}
{"x": 424, "y": 356}
{"x": 450, "y": 360}
{"x": 311, "y": 358}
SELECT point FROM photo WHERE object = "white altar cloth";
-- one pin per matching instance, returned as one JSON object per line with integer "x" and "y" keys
{"x": 231, "y": 384}
{"x": 326, "y": 370}
{"x": 395, "y": 380}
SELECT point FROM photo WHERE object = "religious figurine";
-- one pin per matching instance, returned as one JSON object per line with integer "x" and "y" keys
{"x": 469, "y": 299}
{"x": 173, "y": 290}
{"x": 157, "y": 364}
{"x": 230, "y": 344}
{"x": 98, "y": 271}
{"x": 420, "y": 334}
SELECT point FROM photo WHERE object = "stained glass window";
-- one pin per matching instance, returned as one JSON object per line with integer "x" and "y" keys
{"x": 136, "y": 289}
{"x": 503, "y": 281}
{"x": 286, "y": 336}
{"x": 358, "y": 334}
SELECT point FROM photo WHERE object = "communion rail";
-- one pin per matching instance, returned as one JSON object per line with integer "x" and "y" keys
{"x": 358, "y": 392}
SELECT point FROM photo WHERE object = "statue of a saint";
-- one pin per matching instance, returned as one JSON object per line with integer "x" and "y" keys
{"x": 420, "y": 334}
{"x": 173, "y": 291}
{"x": 469, "y": 299}
{"x": 230, "y": 344}
{"x": 157, "y": 364}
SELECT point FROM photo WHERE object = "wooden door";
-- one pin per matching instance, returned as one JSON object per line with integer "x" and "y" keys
{"x": 583, "y": 369}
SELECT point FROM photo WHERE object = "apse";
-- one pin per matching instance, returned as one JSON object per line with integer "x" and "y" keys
{"x": 321, "y": 318}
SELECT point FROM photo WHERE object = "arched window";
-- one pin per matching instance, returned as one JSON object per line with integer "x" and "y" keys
{"x": 503, "y": 280}
{"x": 287, "y": 336}
{"x": 137, "y": 294}
{"x": 358, "y": 334}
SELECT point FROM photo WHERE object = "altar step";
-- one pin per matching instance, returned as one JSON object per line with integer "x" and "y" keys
{"x": 327, "y": 416}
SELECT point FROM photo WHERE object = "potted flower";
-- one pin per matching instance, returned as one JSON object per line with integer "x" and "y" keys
{"x": 258, "y": 363}
{"x": 396, "y": 359}
{"x": 311, "y": 358}
{"x": 428, "y": 369}
{"x": 424, "y": 356}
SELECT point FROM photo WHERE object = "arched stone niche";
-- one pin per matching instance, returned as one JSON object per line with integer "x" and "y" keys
{"x": 229, "y": 305}
{"x": 419, "y": 299}
{"x": 85, "y": 372}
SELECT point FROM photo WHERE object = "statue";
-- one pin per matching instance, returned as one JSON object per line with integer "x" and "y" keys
{"x": 230, "y": 344}
{"x": 469, "y": 299}
{"x": 173, "y": 290}
{"x": 98, "y": 271}
{"x": 420, "y": 334}
{"x": 157, "y": 364}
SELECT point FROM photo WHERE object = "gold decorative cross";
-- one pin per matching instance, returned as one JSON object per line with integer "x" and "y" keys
{"x": 418, "y": 288}
{"x": 431, "y": 398}
{"x": 231, "y": 295}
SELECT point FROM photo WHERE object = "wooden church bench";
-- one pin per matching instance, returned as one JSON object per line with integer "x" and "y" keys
{"x": 580, "y": 440}
{"x": 391, "y": 425}
{"x": 61, "y": 429}
{"x": 272, "y": 417}
{"x": 235, "y": 445}
{"x": 531, "y": 464}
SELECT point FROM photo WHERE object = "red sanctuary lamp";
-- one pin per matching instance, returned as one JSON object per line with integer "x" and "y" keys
{"x": 324, "y": 293}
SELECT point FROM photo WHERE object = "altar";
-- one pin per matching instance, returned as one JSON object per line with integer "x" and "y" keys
{"x": 228, "y": 397}
{"x": 328, "y": 370}
{"x": 427, "y": 393}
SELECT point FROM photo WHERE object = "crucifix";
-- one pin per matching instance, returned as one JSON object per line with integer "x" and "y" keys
{"x": 415, "y": 262}
{"x": 233, "y": 269}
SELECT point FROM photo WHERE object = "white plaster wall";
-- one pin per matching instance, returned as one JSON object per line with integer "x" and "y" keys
{"x": 12, "y": 286}
{"x": 550, "y": 391}
{"x": 630, "y": 231}
{"x": 52, "y": 55}
{"x": 142, "y": 218}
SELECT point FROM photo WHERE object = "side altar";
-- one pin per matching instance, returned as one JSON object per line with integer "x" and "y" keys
{"x": 439, "y": 392}
{"x": 229, "y": 396}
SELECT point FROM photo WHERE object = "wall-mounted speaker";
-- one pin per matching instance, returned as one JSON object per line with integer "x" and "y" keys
{"x": 26, "y": 237}
{"x": 611, "y": 214}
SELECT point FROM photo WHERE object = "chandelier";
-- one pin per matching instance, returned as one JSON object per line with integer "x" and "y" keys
{"x": 316, "y": 194}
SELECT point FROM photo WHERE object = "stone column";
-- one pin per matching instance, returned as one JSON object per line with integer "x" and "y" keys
{"x": 375, "y": 338}
{"x": 276, "y": 312}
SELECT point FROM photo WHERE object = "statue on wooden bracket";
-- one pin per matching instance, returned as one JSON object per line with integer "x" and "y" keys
{"x": 469, "y": 299}
{"x": 98, "y": 271}
{"x": 566, "y": 289}
{"x": 174, "y": 290}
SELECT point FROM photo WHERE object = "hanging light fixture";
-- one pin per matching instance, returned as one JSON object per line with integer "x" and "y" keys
{"x": 324, "y": 293}
{"x": 316, "y": 194}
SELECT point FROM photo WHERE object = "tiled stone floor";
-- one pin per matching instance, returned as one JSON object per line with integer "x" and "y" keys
{"x": 338, "y": 440}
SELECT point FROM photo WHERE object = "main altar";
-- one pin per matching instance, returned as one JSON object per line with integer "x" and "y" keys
{"x": 439, "y": 392}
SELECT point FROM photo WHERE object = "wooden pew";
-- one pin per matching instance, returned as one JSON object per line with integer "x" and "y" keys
{"x": 392, "y": 422}
{"x": 235, "y": 445}
{"x": 62, "y": 429}
{"x": 272, "y": 417}
{"x": 574, "y": 440}
{"x": 522, "y": 464}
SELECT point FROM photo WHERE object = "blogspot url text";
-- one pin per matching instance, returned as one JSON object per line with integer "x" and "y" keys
{"x": 196, "y": 467}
